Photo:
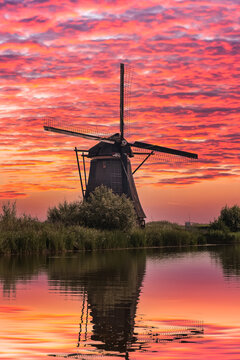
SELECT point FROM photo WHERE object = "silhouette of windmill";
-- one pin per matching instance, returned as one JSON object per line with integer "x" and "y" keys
{"x": 109, "y": 324}
{"x": 110, "y": 158}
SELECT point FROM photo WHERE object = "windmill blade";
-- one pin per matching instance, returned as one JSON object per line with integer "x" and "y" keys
{"x": 72, "y": 133}
{"x": 122, "y": 100}
{"x": 128, "y": 78}
{"x": 162, "y": 149}
{"x": 52, "y": 125}
{"x": 126, "y": 74}
{"x": 161, "y": 160}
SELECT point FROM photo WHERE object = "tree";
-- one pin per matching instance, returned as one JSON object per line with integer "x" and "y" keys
{"x": 105, "y": 210}
{"x": 229, "y": 218}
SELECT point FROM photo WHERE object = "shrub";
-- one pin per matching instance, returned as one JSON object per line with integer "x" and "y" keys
{"x": 67, "y": 213}
{"x": 102, "y": 210}
{"x": 105, "y": 210}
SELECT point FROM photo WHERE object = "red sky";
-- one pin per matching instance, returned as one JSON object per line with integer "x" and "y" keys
{"x": 61, "y": 59}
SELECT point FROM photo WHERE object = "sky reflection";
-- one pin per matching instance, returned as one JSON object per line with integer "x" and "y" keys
{"x": 127, "y": 295}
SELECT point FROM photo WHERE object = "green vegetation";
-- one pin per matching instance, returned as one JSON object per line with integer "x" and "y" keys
{"x": 27, "y": 235}
{"x": 89, "y": 226}
{"x": 102, "y": 210}
{"x": 228, "y": 220}
{"x": 65, "y": 213}
{"x": 106, "y": 210}
{"x": 227, "y": 227}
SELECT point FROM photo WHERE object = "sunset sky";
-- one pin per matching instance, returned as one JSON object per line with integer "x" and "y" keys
{"x": 61, "y": 59}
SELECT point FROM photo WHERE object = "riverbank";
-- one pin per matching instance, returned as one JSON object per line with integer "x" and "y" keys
{"x": 29, "y": 236}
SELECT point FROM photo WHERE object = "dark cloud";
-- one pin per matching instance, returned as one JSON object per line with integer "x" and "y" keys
{"x": 232, "y": 137}
{"x": 37, "y": 2}
{"x": 199, "y": 110}
{"x": 200, "y": 126}
{"x": 147, "y": 14}
{"x": 194, "y": 179}
{"x": 34, "y": 19}
{"x": 5, "y": 3}
{"x": 10, "y": 57}
{"x": 11, "y": 194}
{"x": 10, "y": 89}
{"x": 194, "y": 94}
{"x": 77, "y": 25}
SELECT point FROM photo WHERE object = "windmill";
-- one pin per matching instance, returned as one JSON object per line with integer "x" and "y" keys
{"x": 110, "y": 159}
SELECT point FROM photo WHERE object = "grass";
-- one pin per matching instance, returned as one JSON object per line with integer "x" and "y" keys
{"x": 27, "y": 235}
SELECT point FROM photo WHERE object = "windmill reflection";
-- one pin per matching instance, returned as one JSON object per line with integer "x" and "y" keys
{"x": 110, "y": 286}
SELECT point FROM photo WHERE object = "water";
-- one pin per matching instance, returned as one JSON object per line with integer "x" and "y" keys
{"x": 145, "y": 304}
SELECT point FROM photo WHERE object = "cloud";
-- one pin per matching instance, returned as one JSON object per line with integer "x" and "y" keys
{"x": 12, "y": 194}
{"x": 61, "y": 59}
{"x": 12, "y": 309}
{"x": 183, "y": 180}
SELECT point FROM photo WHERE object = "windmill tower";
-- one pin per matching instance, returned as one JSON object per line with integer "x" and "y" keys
{"x": 110, "y": 159}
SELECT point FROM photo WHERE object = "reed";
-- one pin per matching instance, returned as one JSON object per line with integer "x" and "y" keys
{"x": 27, "y": 235}
{"x": 55, "y": 238}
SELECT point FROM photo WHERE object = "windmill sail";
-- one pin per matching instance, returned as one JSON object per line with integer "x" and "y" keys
{"x": 126, "y": 73}
{"x": 53, "y": 126}
{"x": 162, "y": 149}
{"x": 122, "y": 100}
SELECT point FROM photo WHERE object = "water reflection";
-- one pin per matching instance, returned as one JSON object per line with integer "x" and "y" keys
{"x": 18, "y": 268}
{"x": 107, "y": 287}
{"x": 68, "y": 273}
{"x": 112, "y": 284}
{"x": 229, "y": 258}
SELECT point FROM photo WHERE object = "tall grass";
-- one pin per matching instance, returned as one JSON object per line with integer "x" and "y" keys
{"x": 27, "y": 235}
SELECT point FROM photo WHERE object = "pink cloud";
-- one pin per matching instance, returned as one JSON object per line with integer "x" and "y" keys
{"x": 62, "y": 60}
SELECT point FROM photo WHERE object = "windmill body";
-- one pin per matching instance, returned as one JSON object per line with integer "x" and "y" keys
{"x": 110, "y": 158}
{"x": 110, "y": 166}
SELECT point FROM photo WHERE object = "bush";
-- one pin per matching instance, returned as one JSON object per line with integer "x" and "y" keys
{"x": 229, "y": 219}
{"x": 105, "y": 210}
{"x": 102, "y": 210}
{"x": 65, "y": 213}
